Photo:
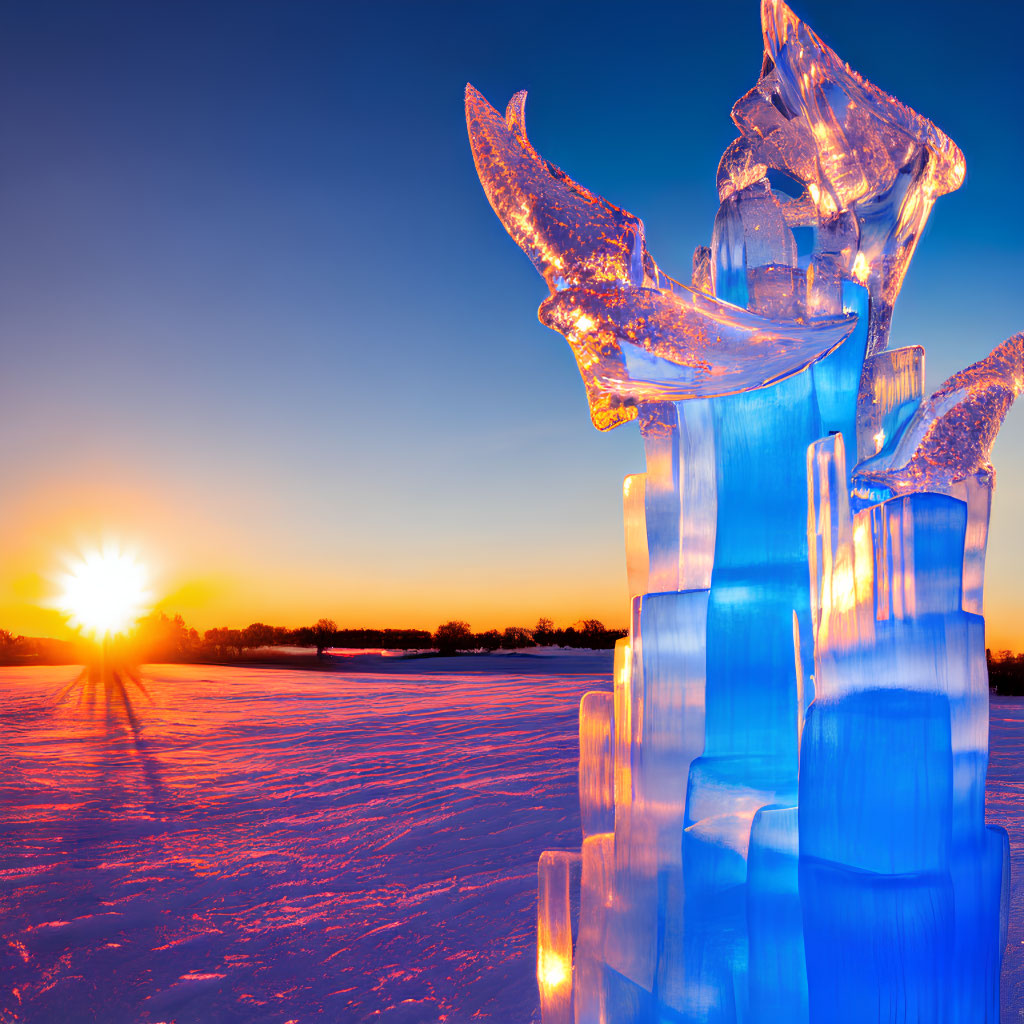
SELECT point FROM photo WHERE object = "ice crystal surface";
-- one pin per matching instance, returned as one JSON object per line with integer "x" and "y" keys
{"x": 783, "y": 801}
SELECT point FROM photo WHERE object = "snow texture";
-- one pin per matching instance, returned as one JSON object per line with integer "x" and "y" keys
{"x": 276, "y": 845}
{"x": 273, "y": 845}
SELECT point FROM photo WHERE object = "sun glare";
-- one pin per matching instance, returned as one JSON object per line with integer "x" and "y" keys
{"x": 105, "y": 593}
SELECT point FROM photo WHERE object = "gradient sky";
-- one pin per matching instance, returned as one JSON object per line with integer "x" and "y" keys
{"x": 260, "y": 322}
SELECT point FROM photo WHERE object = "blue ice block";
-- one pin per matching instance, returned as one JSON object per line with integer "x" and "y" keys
{"x": 783, "y": 798}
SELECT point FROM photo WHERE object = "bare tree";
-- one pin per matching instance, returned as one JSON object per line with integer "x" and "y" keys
{"x": 323, "y": 633}
{"x": 453, "y": 636}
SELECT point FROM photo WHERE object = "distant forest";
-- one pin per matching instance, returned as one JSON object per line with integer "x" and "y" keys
{"x": 162, "y": 638}
{"x": 1006, "y": 673}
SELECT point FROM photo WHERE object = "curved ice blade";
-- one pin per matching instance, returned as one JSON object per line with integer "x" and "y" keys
{"x": 950, "y": 436}
{"x": 572, "y": 236}
{"x": 862, "y": 135}
{"x": 683, "y": 344}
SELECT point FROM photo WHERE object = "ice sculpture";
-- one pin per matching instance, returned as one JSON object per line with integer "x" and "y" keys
{"x": 783, "y": 799}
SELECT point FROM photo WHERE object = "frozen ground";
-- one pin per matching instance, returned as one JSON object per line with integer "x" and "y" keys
{"x": 1004, "y": 805}
{"x": 272, "y": 845}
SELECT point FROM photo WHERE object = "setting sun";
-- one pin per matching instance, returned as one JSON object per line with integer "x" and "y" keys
{"x": 104, "y": 593}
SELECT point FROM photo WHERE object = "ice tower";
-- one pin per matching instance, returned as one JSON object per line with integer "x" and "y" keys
{"x": 783, "y": 799}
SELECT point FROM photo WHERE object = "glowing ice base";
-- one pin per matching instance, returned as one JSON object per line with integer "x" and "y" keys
{"x": 783, "y": 799}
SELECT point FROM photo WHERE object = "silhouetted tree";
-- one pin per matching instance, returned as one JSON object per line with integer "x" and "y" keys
{"x": 1006, "y": 672}
{"x": 159, "y": 638}
{"x": 234, "y": 639}
{"x": 516, "y": 637}
{"x": 453, "y": 636}
{"x": 216, "y": 639}
{"x": 323, "y": 633}
{"x": 489, "y": 641}
{"x": 223, "y": 640}
{"x": 258, "y": 634}
{"x": 544, "y": 631}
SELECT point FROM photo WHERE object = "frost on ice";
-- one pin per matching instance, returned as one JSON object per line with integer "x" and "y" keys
{"x": 783, "y": 800}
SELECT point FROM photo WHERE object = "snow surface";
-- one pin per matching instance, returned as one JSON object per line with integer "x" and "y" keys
{"x": 276, "y": 845}
{"x": 1004, "y": 805}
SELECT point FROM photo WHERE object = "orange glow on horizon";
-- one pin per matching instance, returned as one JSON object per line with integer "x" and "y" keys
{"x": 214, "y": 567}
{"x": 211, "y": 563}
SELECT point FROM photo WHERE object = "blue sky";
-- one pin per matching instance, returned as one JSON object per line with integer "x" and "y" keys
{"x": 260, "y": 321}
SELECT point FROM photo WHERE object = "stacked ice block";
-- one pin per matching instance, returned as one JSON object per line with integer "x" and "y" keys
{"x": 782, "y": 800}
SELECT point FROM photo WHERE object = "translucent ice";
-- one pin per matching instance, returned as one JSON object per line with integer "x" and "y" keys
{"x": 637, "y": 334}
{"x": 870, "y": 154}
{"x": 950, "y": 435}
{"x": 783, "y": 797}
{"x": 654, "y": 345}
{"x": 597, "y": 784}
{"x": 557, "y": 872}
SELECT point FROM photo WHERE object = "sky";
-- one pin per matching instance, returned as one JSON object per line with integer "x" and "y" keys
{"x": 260, "y": 324}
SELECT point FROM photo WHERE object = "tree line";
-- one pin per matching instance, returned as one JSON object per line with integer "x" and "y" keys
{"x": 159, "y": 637}
{"x": 1006, "y": 672}
{"x": 162, "y": 638}
{"x": 169, "y": 638}
{"x": 455, "y": 636}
